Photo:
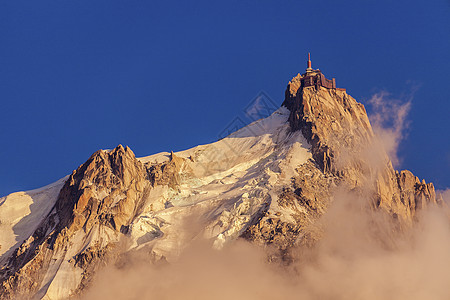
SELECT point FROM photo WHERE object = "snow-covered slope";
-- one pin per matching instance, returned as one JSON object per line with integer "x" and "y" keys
{"x": 224, "y": 184}
{"x": 21, "y": 213}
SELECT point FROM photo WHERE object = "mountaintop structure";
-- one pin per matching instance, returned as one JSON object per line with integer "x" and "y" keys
{"x": 315, "y": 78}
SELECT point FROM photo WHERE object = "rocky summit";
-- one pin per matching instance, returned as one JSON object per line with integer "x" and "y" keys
{"x": 268, "y": 183}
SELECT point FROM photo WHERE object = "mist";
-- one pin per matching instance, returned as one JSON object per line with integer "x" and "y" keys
{"x": 360, "y": 256}
{"x": 389, "y": 122}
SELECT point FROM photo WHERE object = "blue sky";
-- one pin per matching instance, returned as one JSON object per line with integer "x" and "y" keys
{"x": 78, "y": 76}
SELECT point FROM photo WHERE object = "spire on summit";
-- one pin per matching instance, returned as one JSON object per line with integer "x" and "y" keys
{"x": 308, "y": 68}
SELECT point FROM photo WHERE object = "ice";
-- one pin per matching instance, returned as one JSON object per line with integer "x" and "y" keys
{"x": 232, "y": 180}
{"x": 21, "y": 213}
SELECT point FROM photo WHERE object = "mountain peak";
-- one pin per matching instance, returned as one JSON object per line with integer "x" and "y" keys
{"x": 343, "y": 143}
{"x": 269, "y": 183}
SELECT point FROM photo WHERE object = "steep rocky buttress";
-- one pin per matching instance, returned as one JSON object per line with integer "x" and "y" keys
{"x": 343, "y": 144}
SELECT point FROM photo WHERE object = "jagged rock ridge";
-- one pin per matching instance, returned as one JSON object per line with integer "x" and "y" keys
{"x": 338, "y": 129}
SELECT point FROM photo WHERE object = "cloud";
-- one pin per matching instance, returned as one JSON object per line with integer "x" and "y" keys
{"x": 236, "y": 272}
{"x": 365, "y": 254}
{"x": 445, "y": 194}
{"x": 389, "y": 121}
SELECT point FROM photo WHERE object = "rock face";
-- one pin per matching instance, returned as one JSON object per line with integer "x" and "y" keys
{"x": 268, "y": 183}
{"x": 343, "y": 145}
{"x": 107, "y": 190}
{"x": 303, "y": 202}
{"x": 101, "y": 197}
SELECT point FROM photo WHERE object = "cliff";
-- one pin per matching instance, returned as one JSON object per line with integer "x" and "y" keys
{"x": 344, "y": 145}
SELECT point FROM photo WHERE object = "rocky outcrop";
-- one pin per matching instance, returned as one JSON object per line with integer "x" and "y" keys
{"x": 306, "y": 200}
{"x": 414, "y": 193}
{"x": 168, "y": 173}
{"x": 109, "y": 189}
{"x": 95, "y": 206}
{"x": 333, "y": 122}
{"x": 88, "y": 223}
{"x": 344, "y": 145}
